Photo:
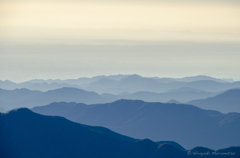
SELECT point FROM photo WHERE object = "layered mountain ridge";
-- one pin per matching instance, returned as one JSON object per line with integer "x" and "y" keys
{"x": 27, "y": 134}
{"x": 186, "y": 124}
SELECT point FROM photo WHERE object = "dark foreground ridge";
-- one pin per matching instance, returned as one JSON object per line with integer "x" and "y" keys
{"x": 27, "y": 134}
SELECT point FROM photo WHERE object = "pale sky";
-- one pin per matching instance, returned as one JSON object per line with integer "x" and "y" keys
{"x": 103, "y": 37}
{"x": 133, "y": 20}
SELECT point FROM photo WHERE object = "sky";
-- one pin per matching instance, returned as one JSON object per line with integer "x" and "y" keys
{"x": 76, "y": 38}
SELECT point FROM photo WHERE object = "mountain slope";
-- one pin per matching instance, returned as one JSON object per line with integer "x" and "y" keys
{"x": 184, "y": 89}
{"x": 27, "y": 134}
{"x": 174, "y": 102}
{"x": 27, "y": 98}
{"x": 17, "y": 95}
{"x": 228, "y": 101}
{"x": 185, "y": 124}
{"x": 182, "y": 96}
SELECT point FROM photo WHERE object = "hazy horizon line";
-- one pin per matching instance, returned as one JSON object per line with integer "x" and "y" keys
{"x": 145, "y": 76}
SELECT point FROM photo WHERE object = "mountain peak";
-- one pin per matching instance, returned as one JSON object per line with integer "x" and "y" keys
{"x": 173, "y": 101}
{"x": 21, "y": 112}
{"x": 127, "y": 101}
{"x": 133, "y": 77}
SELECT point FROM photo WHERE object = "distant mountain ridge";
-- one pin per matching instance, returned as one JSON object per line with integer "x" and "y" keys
{"x": 17, "y": 98}
{"x": 184, "y": 89}
{"x": 203, "y": 77}
{"x": 182, "y": 96}
{"x": 42, "y": 86}
{"x": 27, "y": 134}
{"x": 27, "y": 98}
{"x": 80, "y": 81}
{"x": 116, "y": 84}
{"x": 185, "y": 124}
{"x": 228, "y": 101}
{"x": 136, "y": 83}
{"x": 87, "y": 80}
